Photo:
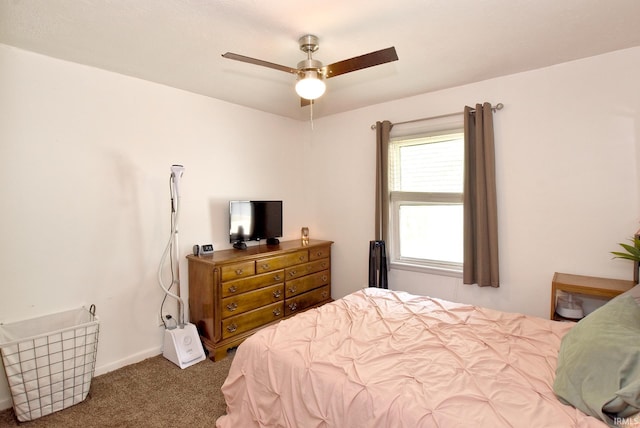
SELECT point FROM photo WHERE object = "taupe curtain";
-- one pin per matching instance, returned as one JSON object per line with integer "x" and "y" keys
{"x": 480, "y": 205}
{"x": 383, "y": 129}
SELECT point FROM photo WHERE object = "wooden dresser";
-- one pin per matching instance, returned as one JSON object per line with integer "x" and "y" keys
{"x": 233, "y": 293}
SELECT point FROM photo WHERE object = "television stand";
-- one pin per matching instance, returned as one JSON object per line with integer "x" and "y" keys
{"x": 239, "y": 245}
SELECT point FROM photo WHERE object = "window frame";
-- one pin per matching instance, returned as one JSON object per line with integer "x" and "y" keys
{"x": 398, "y": 198}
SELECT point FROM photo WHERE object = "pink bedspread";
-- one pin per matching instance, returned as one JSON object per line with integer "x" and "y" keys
{"x": 378, "y": 358}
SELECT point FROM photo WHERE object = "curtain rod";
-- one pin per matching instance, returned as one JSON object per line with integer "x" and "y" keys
{"x": 495, "y": 108}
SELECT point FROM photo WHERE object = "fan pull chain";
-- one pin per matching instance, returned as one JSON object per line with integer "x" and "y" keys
{"x": 311, "y": 114}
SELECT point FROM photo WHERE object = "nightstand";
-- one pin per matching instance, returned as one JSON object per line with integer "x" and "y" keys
{"x": 590, "y": 286}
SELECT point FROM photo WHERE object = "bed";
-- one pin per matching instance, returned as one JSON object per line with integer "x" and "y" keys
{"x": 380, "y": 358}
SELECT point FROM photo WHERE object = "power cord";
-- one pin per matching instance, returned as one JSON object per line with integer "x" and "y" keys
{"x": 169, "y": 318}
{"x": 173, "y": 279}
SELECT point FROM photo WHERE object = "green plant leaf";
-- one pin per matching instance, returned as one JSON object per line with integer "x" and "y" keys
{"x": 623, "y": 256}
{"x": 632, "y": 251}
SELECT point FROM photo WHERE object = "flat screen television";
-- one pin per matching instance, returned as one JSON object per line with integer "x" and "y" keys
{"x": 253, "y": 221}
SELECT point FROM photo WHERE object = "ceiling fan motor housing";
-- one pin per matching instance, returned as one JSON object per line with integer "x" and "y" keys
{"x": 308, "y": 43}
{"x": 310, "y": 65}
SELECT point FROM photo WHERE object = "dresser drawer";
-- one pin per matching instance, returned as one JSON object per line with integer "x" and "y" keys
{"x": 238, "y": 270}
{"x": 307, "y": 268}
{"x": 278, "y": 262}
{"x": 319, "y": 253}
{"x": 250, "y": 320}
{"x": 306, "y": 300}
{"x": 255, "y": 282}
{"x": 306, "y": 283}
{"x": 236, "y": 305}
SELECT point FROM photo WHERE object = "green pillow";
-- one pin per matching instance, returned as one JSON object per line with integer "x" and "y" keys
{"x": 599, "y": 362}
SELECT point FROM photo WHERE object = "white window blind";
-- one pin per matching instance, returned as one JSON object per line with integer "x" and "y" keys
{"x": 428, "y": 164}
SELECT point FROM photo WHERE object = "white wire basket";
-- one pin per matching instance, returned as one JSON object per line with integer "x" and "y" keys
{"x": 49, "y": 361}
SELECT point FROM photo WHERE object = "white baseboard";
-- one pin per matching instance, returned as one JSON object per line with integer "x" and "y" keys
{"x": 131, "y": 359}
{"x": 6, "y": 402}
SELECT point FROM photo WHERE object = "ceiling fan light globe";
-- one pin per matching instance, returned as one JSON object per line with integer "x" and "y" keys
{"x": 310, "y": 86}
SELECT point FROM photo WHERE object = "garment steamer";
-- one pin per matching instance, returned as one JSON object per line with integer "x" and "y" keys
{"x": 182, "y": 344}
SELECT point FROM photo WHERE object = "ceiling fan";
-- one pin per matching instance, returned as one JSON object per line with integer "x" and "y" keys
{"x": 311, "y": 73}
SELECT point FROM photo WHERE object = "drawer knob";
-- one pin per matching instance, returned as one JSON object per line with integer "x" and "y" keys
{"x": 232, "y": 306}
{"x": 323, "y": 264}
{"x": 301, "y": 258}
{"x": 319, "y": 253}
{"x": 239, "y": 271}
{"x": 232, "y": 327}
{"x": 277, "y": 294}
{"x": 324, "y": 278}
{"x": 276, "y": 312}
{"x": 293, "y": 306}
{"x": 277, "y": 277}
{"x": 293, "y": 289}
{"x": 265, "y": 266}
{"x": 292, "y": 273}
{"x": 325, "y": 294}
{"x": 233, "y": 289}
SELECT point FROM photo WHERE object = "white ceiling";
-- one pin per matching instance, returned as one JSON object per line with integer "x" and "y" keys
{"x": 440, "y": 43}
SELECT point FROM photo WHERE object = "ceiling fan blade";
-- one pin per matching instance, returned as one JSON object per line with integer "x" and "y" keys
{"x": 250, "y": 60}
{"x": 363, "y": 61}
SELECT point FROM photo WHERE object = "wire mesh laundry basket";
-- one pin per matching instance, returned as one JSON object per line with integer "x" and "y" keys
{"x": 49, "y": 361}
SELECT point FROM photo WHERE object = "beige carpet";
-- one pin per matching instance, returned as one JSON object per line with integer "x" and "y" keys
{"x": 152, "y": 393}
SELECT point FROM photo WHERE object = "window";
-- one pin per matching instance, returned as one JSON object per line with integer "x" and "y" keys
{"x": 425, "y": 200}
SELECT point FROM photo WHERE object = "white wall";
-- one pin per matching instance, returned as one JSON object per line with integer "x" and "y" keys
{"x": 86, "y": 156}
{"x": 567, "y": 168}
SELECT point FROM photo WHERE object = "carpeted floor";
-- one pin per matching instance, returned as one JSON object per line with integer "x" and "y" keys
{"x": 152, "y": 393}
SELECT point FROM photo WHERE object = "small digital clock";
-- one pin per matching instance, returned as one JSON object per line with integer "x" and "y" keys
{"x": 203, "y": 250}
